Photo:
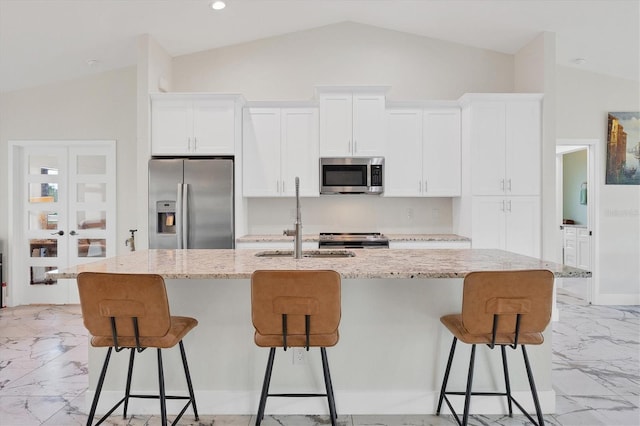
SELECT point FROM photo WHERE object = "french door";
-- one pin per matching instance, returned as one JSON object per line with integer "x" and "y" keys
{"x": 64, "y": 214}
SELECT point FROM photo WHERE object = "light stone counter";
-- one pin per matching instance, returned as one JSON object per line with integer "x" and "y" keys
{"x": 366, "y": 264}
{"x": 266, "y": 238}
{"x": 392, "y": 350}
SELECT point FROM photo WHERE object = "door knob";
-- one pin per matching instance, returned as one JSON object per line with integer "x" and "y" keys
{"x": 58, "y": 233}
{"x": 73, "y": 233}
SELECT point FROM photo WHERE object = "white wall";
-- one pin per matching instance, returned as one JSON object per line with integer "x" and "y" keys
{"x": 99, "y": 107}
{"x": 583, "y": 100}
{"x": 288, "y": 67}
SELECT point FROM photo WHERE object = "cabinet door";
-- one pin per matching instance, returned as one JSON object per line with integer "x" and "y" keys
{"x": 213, "y": 127}
{"x": 583, "y": 249}
{"x": 261, "y": 152}
{"x": 488, "y": 222}
{"x": 441, "y": 153}
{"x": 403, "y": 162}
{"x": 487, "y": 148}
{"x": 299, "y": 151}
{"x": 171, "y": 126}
{"x": 523, "y": 225}
{"x": 368, "y": 125}
{"x": 335, "y": 125}
{"x": 523, "y": 146}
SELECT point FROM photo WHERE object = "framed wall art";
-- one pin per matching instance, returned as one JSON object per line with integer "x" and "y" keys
{"x": 623, "y": 148}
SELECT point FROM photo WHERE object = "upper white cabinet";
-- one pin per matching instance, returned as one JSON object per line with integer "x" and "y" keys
{"x": 193, "y": 124}
{"x": 278, "y": 145}
{"x": 505, "y": 141}
{"x": 423, "y": 152}
{"x": 352, "y": 124}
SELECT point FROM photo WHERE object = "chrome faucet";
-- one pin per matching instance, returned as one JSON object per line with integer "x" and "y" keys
{"x": 296, "y": 233}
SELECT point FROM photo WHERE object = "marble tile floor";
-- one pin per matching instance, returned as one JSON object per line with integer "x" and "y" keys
{"x": 596, "y": 372}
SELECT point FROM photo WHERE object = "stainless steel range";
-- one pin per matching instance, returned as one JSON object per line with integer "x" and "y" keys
{"x": 367, "y": 240}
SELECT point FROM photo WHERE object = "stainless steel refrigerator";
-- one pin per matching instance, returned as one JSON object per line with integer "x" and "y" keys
{"x": 191, "y": 203}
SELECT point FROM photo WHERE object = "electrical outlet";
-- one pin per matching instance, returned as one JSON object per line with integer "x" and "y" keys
{"x": 409, "y": 213}
{"x": 298, "y": 356}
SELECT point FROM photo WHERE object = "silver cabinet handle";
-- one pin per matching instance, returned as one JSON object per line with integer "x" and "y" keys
{"x": 420, "y": 186}
{"x": 502, "y": 208}
{"x": 509, "y": 206}
{"x": 502, "y": 184}
{"x": 355, "y": 146}
{"x": 425, "y": 186}
{"x": 509, "y": 185}
{"x": 189, "y": 144}
{"x": 283, "y": 190}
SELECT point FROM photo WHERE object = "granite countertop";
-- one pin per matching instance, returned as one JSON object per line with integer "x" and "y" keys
{"x": 315, "y": 237}
{"x": 367, "y": 264}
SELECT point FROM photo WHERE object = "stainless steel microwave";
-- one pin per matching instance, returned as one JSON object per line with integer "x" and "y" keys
{"x": 351, "y": 175}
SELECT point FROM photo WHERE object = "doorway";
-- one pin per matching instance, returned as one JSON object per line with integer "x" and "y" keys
{"x": 576, "y": 198}
{"x": 62, "y": 213}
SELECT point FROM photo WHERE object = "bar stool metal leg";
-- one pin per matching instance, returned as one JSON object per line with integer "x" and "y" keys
{"x": 163, "y": 402}
{"x": 127, "y": 390}
{"x": 467, "y": 396}
{"x": 103, "y": 373}
{"x": 265, "y": 386}
{"x": 534, "y": 392}
{"x": 189, "y": 383}
{"x": 446, "y": 375}
{"x": 507, "y": 384}
{"x": 329, "y": 387}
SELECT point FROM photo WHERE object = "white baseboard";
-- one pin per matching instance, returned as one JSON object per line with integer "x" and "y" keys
{"x": 375, "y": 403}
{"x": 616, "y": 299}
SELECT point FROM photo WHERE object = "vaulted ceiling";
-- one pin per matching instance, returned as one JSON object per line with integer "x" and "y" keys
{"x": 42, "y": 41}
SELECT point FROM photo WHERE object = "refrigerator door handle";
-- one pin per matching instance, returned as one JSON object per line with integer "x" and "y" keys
{"x": 179, "y": 217}
{"x": 185, "y": 215}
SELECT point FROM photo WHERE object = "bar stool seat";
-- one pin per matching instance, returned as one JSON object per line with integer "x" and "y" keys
{"x": 131, "y": 311}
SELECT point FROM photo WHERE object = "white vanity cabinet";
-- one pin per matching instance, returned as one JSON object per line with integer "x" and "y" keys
{"x": 576, "y": 246}
{"x": 279, "y": 144}
{"x": 352, "y": 124}
{"x": 423, "y": 152}
{"x": 194, "y": 124}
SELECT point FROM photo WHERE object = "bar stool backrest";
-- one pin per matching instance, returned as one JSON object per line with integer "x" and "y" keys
{"x": 124, "y": 296}
{"x": 296, "y": 294}
{"x": 506, "y": 294}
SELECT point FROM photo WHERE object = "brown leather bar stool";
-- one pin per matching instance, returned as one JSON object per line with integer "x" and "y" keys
{"x": 296, "y": 309}
{"x": 505, "y": 309}
{"x": 131, "y": 311}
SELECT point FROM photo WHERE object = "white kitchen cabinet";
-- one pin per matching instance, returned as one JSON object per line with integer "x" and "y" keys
{"x": 441, "y": 152}
{"x": 577, "y": 247}
{"x": 505, "y": 141}
{"x": 426, "y": 245}
{"x": 423, "y": 156}
{"x": 507, "y": 223}
{"x": 193, "y": 124}
{"x": 280, "y": 144}
{"x": 403, "y": 159}
{"x": 352, "y": 124}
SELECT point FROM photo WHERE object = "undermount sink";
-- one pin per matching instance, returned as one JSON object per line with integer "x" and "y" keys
{"x": 307, "y": 253}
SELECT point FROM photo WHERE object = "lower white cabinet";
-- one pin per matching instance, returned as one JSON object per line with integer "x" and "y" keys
{"x": 576, "y": 247}
{"x": 507, "y": 223}
{"x": 420, "y": 245}
{"x": 278, "y": 145}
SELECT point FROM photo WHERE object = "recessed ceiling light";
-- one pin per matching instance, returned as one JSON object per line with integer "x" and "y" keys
{"x": 579, "y": 61}
{"x": 218, "y": 5}
{"x": 93, "y": 62}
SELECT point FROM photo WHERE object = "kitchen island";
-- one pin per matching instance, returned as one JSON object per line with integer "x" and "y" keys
{"x": 392, "y": 350}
